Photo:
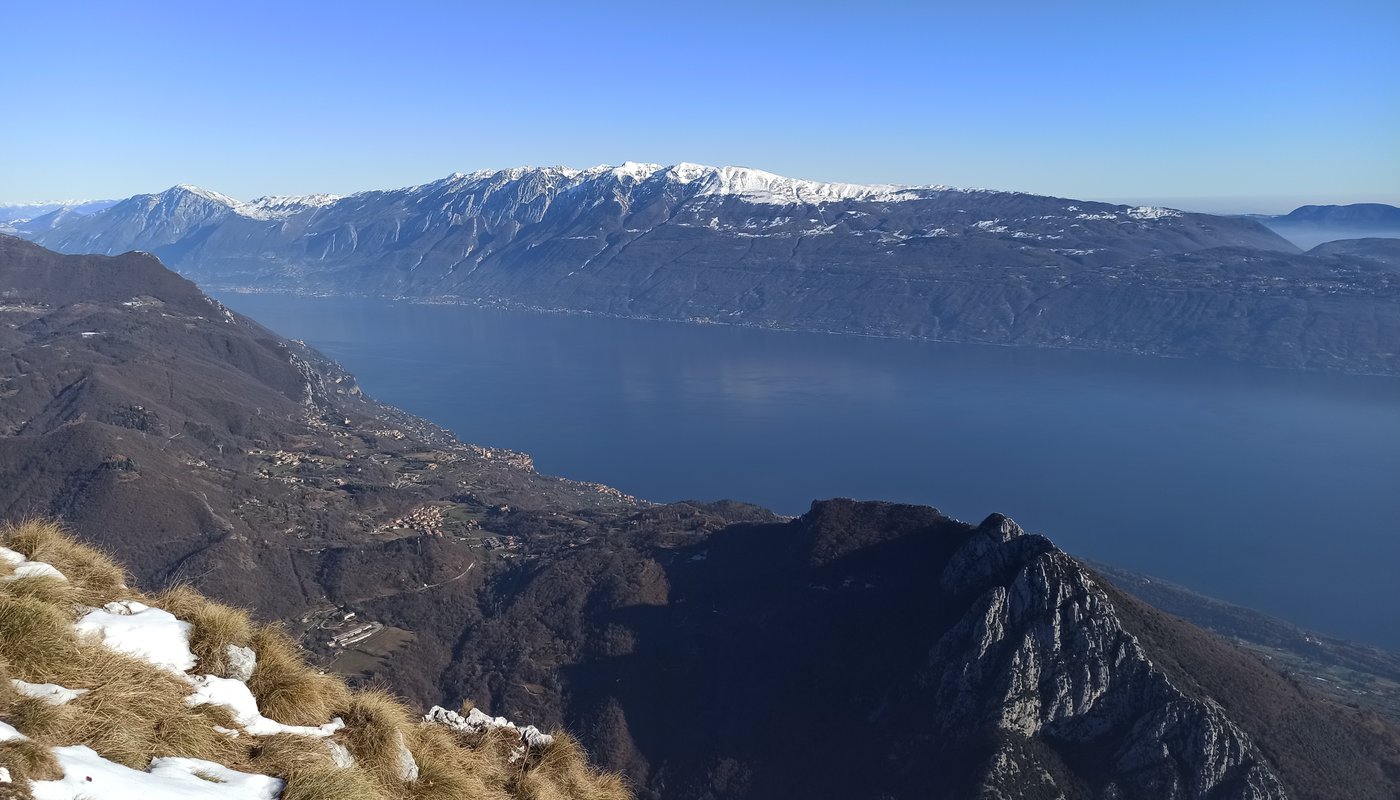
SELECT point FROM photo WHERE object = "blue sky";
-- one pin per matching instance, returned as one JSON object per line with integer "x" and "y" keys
{"x": 1218, "y": 106}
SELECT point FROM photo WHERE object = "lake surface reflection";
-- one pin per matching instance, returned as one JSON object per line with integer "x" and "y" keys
{"x": 1277, "y": 490}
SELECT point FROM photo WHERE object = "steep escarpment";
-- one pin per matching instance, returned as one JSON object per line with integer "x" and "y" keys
{"x": 133, "y": 402}
{"x": 952, "y": 660}
{"x": 741, "y": 246}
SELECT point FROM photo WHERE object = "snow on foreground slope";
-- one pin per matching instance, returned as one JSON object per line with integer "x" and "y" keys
{"x": 108, "y": 694}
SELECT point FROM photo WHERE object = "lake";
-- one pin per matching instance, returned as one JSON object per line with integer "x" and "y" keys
{"x": 1277, "y": 490}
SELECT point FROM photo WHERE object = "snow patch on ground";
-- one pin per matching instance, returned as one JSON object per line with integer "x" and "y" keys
{"x": 136, "y": 629}
{"x": 235, "y": 696}
{"x": 88, "y": 775}
{"x": 51, "y": 693}
{"x": 9, "y": 734}
{"x": 24, "y": 568}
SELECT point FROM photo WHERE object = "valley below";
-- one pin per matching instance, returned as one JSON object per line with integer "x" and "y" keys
{"x": 703, "y": 648}
{"x": 1226, "y": 478}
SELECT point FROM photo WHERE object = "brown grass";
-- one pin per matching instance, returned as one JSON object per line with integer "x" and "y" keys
{"x": 562, "y": 773}
{"x": 447, "y": 770}
{"x": 35, "y": 638}
{"x": 375, "y": 727}
{"x": 305, "y": 763}
{"x": 333, "y": 783}
{"x": 8, "y": 695}
{"x": 132, "y": 713}
{"x": 287, "y": 689}
{"x": 29, "y": 761}
{"x": 99, "y": 579}
{"x": 286, "y": 754}
{"x": 135, "y": 711}
{"x": 215, "y": 626}
{"x": 46, "y": 589}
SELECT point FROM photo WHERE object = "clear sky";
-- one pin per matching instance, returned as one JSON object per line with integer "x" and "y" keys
{"x": 1223, "y": 105}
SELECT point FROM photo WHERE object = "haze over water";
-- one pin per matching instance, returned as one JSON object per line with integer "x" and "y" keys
{"x": 1277, "y": 490}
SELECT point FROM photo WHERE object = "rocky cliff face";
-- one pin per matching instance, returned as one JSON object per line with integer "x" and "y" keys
{"x": 1054, "y": 664}
{"x": 746, "y": 247}
{"x": 706, "y": 650}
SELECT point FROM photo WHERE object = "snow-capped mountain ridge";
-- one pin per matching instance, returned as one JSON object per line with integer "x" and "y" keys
{"x": 693, "y": 180}
{"x": 47, "y": 205}
{"x": 698, "y": 180}
{"x": 270, "y": 207}
{"x": 744, "y": 246}
{"x": 41, "y": 214}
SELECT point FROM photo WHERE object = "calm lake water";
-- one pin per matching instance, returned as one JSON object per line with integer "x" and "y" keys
{"x": 1273, "y": 489}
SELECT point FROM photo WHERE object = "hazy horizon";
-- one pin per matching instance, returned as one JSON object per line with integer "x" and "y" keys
{"x": 1097, "y": 100}
{"x": 1224, "y": 204}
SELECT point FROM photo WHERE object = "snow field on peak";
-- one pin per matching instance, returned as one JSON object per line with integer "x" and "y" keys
{"x": 746, "y": 183}
{"x": 271, "y": 207}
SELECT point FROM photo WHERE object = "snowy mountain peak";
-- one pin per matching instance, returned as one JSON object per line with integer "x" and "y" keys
{"x": 632, "y": 170}
{"x": 281, "y": 206}
{"x": 190, "y": 189}
{"x": 751, "y": 185}
{"x": 46, "y": 205}
{"x": 17, "y": 214}
{"x": 269, "y": 207}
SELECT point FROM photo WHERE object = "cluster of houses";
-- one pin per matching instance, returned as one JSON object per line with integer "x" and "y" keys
{"x": 427, "y": 520}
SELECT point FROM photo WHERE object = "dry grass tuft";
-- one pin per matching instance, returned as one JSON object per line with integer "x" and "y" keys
{"x": 377, "y": 727}
{"x": 447, "y": 770}
{"x": 306, "y": 764}
{"x": 286, "y": 754}
{"x": 8, "y": 695}
{"x": 287, "y": 689}
{"x": 135, "y": 711}
{"x": 46, "y": 589}
{"x": 562, "y": 773}
{"x": 97, "y": 578}
{"x": 39, "y": 719}
{"x": 29, "y": 761}
{"x": 36, "y": 638}
{"x": 333, "y": 783}
{"x": 215, "y": 626}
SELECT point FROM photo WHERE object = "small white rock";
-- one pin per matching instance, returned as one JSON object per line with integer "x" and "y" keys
{"x": 241, "y": 661}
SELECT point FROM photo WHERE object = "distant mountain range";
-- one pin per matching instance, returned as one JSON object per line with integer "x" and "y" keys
{"x": 710, "y": 651}
{"x": 31, "y": 218}
{"x": 1309, "y": 226}
{"x": 741, "y": 246}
